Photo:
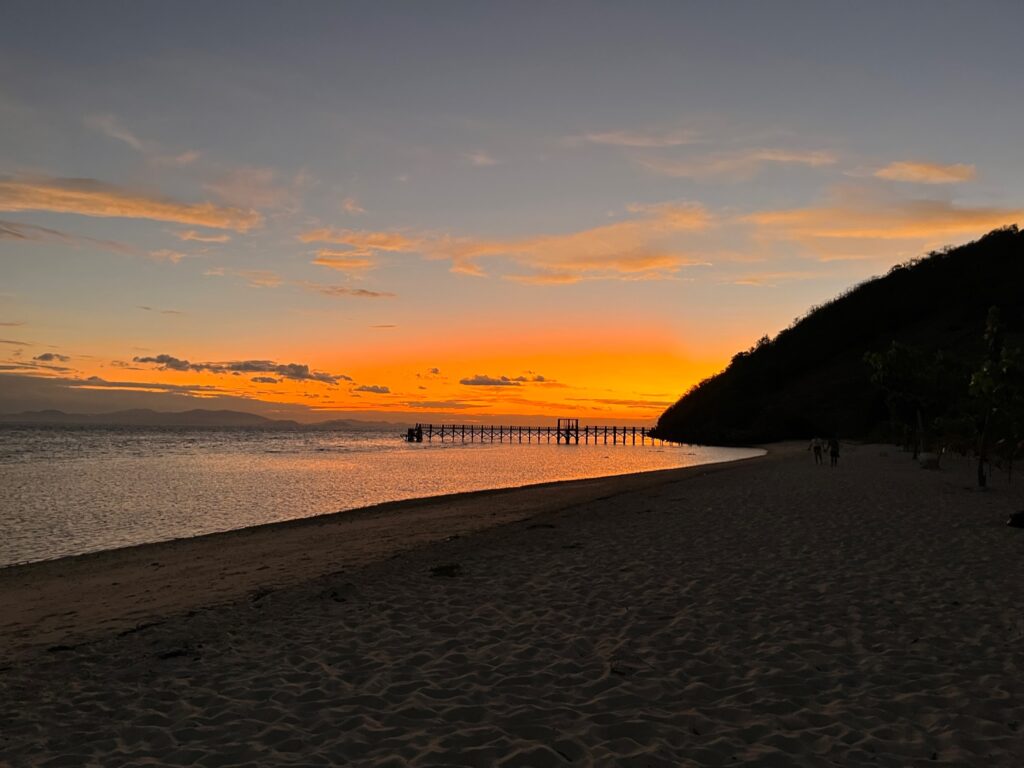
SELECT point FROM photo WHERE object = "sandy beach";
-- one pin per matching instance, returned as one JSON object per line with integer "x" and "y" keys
{"x": 768, "y": 612}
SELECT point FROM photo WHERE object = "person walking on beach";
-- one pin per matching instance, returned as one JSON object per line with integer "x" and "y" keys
{"x": 833, "y": 450}
{"x": 818, "y": 447}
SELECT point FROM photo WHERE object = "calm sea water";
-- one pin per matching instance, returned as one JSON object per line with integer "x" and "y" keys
{"x": 70, "y": 490}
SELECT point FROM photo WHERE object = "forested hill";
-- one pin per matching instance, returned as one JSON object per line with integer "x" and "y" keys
{"x": 812, "y": 379}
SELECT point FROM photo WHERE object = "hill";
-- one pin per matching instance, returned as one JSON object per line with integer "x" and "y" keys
{"x": 197, "y": 417}
{"x": 812, "y": 378}
{"x": 144, "y": 417}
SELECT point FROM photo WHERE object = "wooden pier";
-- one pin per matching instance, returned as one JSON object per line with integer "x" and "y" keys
{"x": 567, "y": 432}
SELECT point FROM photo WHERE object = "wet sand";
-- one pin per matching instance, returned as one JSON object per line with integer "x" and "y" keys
{"x": 768, "y": 612}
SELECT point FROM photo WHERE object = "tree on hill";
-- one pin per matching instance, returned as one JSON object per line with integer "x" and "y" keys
{"x": 998, "y": 385}
{"x": 813, "y": 378}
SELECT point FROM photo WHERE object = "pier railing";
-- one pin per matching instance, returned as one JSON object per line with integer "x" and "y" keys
{"x": 571, "y": 434}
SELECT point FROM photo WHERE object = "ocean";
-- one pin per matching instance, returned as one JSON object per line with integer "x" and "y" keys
{"x": 71, "y": 490}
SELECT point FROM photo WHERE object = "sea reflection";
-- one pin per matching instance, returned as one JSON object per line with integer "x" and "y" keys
{"x": 66, "y": 492}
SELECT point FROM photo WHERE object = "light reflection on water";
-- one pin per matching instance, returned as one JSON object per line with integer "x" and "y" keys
{"x": 67, "y": 491}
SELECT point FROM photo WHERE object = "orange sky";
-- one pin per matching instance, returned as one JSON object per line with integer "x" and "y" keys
{"x": 466, "y": 211}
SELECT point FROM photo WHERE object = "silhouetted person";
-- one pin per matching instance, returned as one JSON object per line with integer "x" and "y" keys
{"x": 833, "y": 450}
{"x": 818, "y": 447}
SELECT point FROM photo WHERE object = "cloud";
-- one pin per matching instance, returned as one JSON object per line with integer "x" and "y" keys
{"x": 643, "y": 245}
{"x": 166, "y": 254}
{"x": 647, "y": 404}
{"x": 482, "y": 380}
{"x": 440, "y": 405}
{"x": 738, "y": 165}
{"x": 343, "y": 261}
{"x": 201, "y": 237}
{"x": 49, "y": 357}
{"x": 637, "y": 139}
{"x": 89, "y": 197}
{"x": 260, "y": 278}
{"x": 265, "y": 278}
{"x": 111, "y": 127}
{"x": 363, "y": 242}
{"x": 480, "y": 159}
{"x": 926, "y": 173}
{"x": 353, "y": 206}
{"x": 771, "y": 279}
{"x": 863, "y": 214}
{"x": 11, "y": 324}
{"x": 293, "y": 371}
{"x": 12, "y": 230}
{"x": 33, "y": 366}
{"x": 855, "y": 223}
{"x": 375, "y": 388}
{"x": 161, "y": 311}
{"x": 344, "y": 290}
{"x": 384, "y": 325}
{"x": 257, "y": 188}
{"x": 265, "y": 380}
{"x": 15, "y": 343}
{"x": 108, "y": 125}
{"x": 434, "y": 371}
{"x": 97, "y": 382}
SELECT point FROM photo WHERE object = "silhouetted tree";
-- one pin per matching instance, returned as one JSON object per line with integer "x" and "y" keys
{"x": 998, "y": 385}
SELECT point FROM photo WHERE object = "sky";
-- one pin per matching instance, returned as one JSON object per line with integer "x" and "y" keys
{"x": 470, "y": 211}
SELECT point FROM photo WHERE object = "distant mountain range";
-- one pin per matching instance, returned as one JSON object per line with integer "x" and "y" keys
{"x": 199, "y": 417}
{"x": 812, "y": 378}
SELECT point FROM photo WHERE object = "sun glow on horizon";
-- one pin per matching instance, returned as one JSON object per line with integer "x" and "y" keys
{"x": 350, "y": 211}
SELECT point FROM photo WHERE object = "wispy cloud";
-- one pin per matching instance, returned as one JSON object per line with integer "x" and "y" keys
{"x": 160, "y": 311}
{"x": 110, "y": 126}
{"x": 344, "y": 290}
{"x": 202, "y": 237}
{"x": 14, "y": 365}
{"x": 95, "y": 382}
{"x": 737, "y": 165}
{"x": 362, "y": 242}
{"x": 376, "y": 389}
{"x": 265, "y": 278}
{"x": 636, "y": 139}
{"x": 13, "y": 230}
{"x": 853, "y": 213}
{"x": 771, "y": 279}
{"x": 293, "y": 371}
{"x": 12, "y": 324}
{"x": 343, "y": 261}
{"x": 926, "y": 173}
{"x": 256, "y": 188}
{"x": 643, "y": 245}
{"x": 440, "y": 405}
{"x": 481, "y": 159}
{"x": 353, "y": 206}
{"x": 868, "y": 223}
{"x": 166, "y": 254}
{"x": 89, "y": 197}
{"x": 14, "y": 343}
{"x": 260, "y": 278}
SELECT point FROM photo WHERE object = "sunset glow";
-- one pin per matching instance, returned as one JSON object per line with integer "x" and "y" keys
{"x": 463, "y": 212}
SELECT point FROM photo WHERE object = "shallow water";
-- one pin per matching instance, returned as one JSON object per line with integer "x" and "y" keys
{"x": 71, "y": 490}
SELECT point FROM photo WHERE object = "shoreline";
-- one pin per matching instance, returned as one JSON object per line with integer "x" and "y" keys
{"x": 768, "y": 612}
{"x": 119, "y": 589}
